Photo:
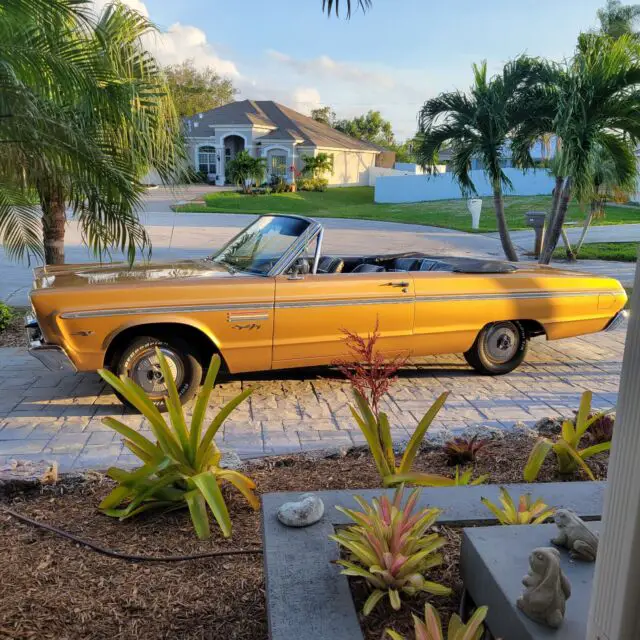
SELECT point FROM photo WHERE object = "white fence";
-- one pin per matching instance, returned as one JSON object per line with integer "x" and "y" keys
{"x": 412, "y": 188}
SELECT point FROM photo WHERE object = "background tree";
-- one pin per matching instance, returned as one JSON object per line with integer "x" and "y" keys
{"x": 245, "y": 170}
{"x": 326, "y": 115}
{"x": 478, "y": 124}
{"x": 371, "y": 127}
{"x": 617, "y": 19}
{"x": 196, "y": 90}
{"x": 85, "y": 114}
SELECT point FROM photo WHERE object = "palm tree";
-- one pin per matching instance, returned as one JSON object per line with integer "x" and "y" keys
{"x": 330, "y": 5}
{"x": 592, "y": 106}
{"x": 618, "y": 19}
{"x": 317, "y": 166}
{"x": 478, "y": 124}
{"x": 244, "y": 170}
{"x": 84, "y": 114}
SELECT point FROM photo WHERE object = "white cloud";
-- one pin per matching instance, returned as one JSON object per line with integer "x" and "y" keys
{"x": 304, "y": 99}
{"x": 181, "y": 42}
{"x": 137, "y": 5}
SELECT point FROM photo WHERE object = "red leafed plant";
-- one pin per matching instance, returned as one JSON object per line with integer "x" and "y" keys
{"x": 460, "y": 450}
{"x": 368, "y": 371}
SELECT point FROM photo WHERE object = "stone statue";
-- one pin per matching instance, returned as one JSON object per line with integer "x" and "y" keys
{"x": 547, "y": 588}
{"x": 575, "y": 536}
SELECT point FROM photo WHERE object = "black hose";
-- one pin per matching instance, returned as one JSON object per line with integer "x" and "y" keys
{"x": 124, "y": 556}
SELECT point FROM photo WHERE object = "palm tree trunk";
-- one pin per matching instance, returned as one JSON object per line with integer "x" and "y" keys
{"x": 556, "y": 223}
{"x": 54, "y": 219}
{"x": 587, "y": 223}
{"x": 505, "y": 238}
{"x": 557, "y": 190}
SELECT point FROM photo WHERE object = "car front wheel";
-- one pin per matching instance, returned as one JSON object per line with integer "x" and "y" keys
{"x": 499, "y": 348}
{"x": 139, "y": 362}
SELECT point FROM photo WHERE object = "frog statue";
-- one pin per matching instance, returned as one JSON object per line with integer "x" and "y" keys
{"x": 575, "y": 536}
{"x": 546, "y": 588}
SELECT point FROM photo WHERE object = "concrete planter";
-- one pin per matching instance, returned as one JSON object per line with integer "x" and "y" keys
{"x": 306, "y": 595}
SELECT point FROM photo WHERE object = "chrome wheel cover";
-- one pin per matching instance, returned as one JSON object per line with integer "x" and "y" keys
{"x": 145, "y": 370}
{"x": 502, "y": 342}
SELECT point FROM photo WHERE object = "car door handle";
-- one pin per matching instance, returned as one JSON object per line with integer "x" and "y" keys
{"x": 404, "y": 284}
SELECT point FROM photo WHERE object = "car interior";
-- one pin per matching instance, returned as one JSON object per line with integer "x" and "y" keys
{"x": 411, "y": 262}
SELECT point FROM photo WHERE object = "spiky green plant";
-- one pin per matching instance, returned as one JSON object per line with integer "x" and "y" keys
{"x": 431, "y": 627}
{"x": 182, "y": 467}
{"x": 569, "y": 456}
{"x": 389, "y": 547}
{"x": 463, "y": 479}
{"x": 527, "y": 512}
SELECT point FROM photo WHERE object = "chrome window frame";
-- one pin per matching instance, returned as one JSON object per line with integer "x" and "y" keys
{"x": 314, "y": 230}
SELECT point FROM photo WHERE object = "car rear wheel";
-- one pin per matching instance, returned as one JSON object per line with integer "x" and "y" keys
{"x": 499, "y": 348}
{"x": 140, "y": 363}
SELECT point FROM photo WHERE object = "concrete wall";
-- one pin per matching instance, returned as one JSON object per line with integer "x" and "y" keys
{"x": 377, "y": 172}
{"x": 443, "y": 187}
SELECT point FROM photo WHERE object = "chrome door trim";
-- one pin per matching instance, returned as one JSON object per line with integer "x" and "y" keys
{"x": 105, "y": 313}
{"x": 343, "y": 302}
{"x": 241, "y": 317}
{"x": 516, "y": 295}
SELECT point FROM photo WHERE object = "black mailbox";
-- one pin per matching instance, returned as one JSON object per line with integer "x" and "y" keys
{"x": 536, "y": 219}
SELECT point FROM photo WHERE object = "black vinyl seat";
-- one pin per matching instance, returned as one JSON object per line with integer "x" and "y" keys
{"x": 406, "y": 264}
{"x": 435, "y": 265}
{"x": 329, "y": 264}
{"x": 368, "y": 268}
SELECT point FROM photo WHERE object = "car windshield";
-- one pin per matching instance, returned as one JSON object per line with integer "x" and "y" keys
{"x": 259, "y": 247}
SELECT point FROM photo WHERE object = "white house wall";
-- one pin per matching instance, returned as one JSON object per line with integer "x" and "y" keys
{"x": 350, "y": 168}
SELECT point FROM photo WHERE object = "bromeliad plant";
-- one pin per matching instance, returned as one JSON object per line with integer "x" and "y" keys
{"x": 371, "y": 375}
{"x": 182, "y": 467}
{"x": 461, "y": 450}
{"x": 389, "y": 547}
{"x": 569, "y": 456}
{"x": 435, "y": 480}
{"x": 527, "y": 512}
{"x": 431, "y": 627}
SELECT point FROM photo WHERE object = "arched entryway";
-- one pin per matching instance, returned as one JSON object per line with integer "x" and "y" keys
{"x": 233, "y": 144}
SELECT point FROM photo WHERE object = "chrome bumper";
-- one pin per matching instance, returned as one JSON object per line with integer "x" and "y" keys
{"x": 617, "y": 320}
{"x": 52, "y": 356}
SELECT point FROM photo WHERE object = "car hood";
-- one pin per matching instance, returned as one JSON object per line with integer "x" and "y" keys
{"x": 78, "y": 275}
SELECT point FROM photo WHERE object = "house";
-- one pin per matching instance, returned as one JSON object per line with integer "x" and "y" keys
{"x": 280, "y": 135}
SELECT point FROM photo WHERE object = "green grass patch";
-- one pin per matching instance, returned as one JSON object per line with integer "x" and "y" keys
{"x": 621, "y": 251}
{"x": 357, "y": 203}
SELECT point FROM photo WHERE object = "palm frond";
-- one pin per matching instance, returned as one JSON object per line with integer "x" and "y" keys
{"x": 331, "y": 5}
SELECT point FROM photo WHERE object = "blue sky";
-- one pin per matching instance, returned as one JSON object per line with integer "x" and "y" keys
{"x": 392, "y": 58}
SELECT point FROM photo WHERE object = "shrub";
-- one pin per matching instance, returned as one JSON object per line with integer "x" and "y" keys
{"x": 526, "y": 512}
{"x": 371, "y": 375}
{"x": 461, "y": 450}
{"x": 279, "y": 185}
{"x": 569, "y": 456}
{"x": 6, "y": 316}
{"x": 245, "y": 170}
{"x": 312, "y": 184}
{"x": 431, "y": 627}
{"x": 390, "y": 549}
{"x": 182, "y": 467}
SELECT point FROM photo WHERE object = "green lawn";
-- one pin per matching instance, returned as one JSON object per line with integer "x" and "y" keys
{"x": 357, "y": 202}
{"x": 623, "y": 251}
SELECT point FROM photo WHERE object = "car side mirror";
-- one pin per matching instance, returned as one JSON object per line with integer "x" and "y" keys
{"x": 299, "y": 269}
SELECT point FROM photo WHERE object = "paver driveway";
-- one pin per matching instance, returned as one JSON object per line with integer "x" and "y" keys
{"x": 58, "y": 417}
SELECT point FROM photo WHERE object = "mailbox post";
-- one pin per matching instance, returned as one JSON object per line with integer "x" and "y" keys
{"x": 536, "y": 219}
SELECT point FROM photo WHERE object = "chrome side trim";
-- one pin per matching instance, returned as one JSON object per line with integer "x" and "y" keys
{"x": 518, "y": 295}
{"x": 617, "y": 320}
{"x": 106, "y": 313}
{"x": 342, "y": 303}
{"x": 239, "y": 317}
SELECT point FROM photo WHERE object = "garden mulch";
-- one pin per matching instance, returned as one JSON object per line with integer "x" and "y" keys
{"x": 14, "y": 334}
{"x": 53, "y": 588}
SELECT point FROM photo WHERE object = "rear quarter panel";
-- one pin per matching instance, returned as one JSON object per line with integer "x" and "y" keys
{"x": 451, "y": 308}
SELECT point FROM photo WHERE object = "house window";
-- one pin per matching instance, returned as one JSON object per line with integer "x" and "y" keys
{"x": 278, "y": 166}
{"x": 207, "y": 160}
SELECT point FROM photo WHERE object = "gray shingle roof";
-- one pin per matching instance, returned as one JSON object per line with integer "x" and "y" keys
{"x": 288, "y": 124}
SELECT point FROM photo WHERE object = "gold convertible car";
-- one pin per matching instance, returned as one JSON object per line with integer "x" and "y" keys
{"x": 270, "y": 299}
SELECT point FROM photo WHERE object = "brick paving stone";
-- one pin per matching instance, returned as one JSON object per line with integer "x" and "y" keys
{"x": 44, "y": 414}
